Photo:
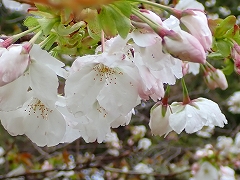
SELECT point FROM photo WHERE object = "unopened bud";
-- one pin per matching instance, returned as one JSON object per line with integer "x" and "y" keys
{"x": 13, "y": 63}
{"x": 216, "y": 79}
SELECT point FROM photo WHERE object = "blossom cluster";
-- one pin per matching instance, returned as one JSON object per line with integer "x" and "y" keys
{"x": 217, "y": 162}
{"x": 102, "y": 89}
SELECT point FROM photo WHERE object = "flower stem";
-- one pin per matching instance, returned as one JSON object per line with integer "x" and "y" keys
{"x": 186, "y": 99}
{"x": 175, "y": 12}
{"x": 166, "y": 96}
{"x": 102, "y": 41}
{"x": 161, "y": 31}
{"x": 28, "y": 46}
{"x": 15, "y": 37}
{"x": 49, "y": 39}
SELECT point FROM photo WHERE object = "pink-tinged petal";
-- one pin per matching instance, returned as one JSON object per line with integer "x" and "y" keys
{"x": 14, "y": 94}
{"x": 197, "y": 25}
{"x": 43, "y": 126}
{"x": 13, "y": 64}
{"x": 188, "y": 48}
{"x": 44, "y": 83}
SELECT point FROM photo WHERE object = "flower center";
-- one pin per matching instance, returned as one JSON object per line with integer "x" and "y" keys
{"x": 104, "y": 72}
{"x": 38, "y": 109}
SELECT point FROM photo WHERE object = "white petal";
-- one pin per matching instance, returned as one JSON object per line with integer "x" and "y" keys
{"x": 186, "y": 116}
{"x": 144, "y": 39}
{"x": 211, "y": 112}
{"x": 42, "y": 125}
{"x": 158, "y": 124}
{"x": 81, "y": 89}
{"x": 14, "y": 94}
{"x": 189, "y": 4}
{"x": 122, "y": 120}
{"x": 71, "y": 133}
{"x": 43, "y": 57}
{"x": 120, "y": 96}
{"x": 12, "y": 121}
{"x": 44, "y": 83}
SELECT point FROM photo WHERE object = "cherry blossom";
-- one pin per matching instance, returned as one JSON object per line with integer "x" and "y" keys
{"x": 110, "y": 79}
{"x": 41, "y": 74}
{"x": 206, "y": 171}
{"x": 42, "y": 124}
{"x": 193, "y": 116}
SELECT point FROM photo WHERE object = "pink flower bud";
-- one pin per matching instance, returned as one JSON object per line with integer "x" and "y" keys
{"x": 236, "y": 57}
{"x": 197, "y": 25}
{"x": 187, "y": 49}
{"x": 13, "y": 62}
{"x": 215, "y": 79}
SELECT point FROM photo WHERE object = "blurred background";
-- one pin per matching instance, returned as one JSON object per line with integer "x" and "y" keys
{"x": 131, "y": 152}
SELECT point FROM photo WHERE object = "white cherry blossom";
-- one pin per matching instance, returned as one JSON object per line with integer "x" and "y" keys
{"x": 206, "y": 171}
{"x": 108, "y": 78}
{"x": 41, "y": 123}
{"x": 41, "y": 74}
{"x": 193, "y": 116}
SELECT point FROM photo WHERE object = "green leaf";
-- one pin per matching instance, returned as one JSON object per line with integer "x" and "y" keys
{"x": 47, "y": 24}
{"x": 225, "y": 26}
{"x": 123, "y": 24}
{"x": 106, "y": 21}
{"x": 124, "y": 7}
{"x": 224, "y": 47}
{"x": 51, "y": 39}
{"x": 66, "y": 30}
{"x": 66, "y": 16}
{"x": 93, "y": 26}
{"x": 229, "y": 67}
{"x": 30, "y": 21}
{"x": 215, "y": 56}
